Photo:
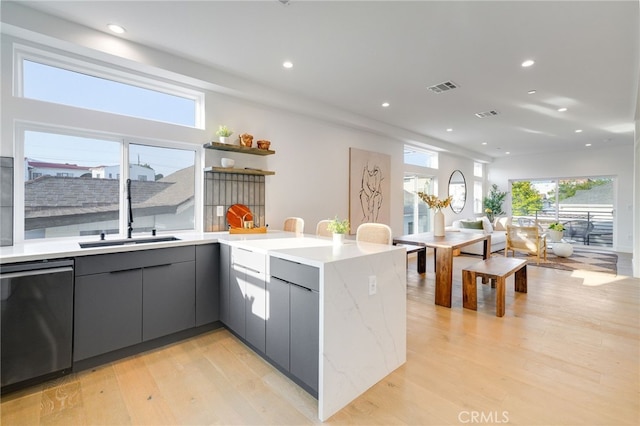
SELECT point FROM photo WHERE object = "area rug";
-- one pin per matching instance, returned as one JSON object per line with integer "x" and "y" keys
{"x": 586, "y": 260}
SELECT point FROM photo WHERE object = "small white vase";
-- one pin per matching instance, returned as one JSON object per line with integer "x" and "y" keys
{"x": 338, "y": 239}
{"x": 224, "y": 139}
{"x": 438, "y": 223}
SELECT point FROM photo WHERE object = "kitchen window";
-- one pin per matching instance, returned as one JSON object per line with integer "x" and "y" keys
{"x": 48, "y": 77}
{"x": 73, "y": 187}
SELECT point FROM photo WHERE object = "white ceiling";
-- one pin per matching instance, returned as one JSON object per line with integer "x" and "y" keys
{"x": 355, "y": 55}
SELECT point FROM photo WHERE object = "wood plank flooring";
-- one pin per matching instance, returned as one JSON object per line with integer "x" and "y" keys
{"x": 565, "y": 353}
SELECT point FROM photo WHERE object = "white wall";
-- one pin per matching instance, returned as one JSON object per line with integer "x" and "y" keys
{"x": 617, "y": 162}
{"x": 311, "y": 161}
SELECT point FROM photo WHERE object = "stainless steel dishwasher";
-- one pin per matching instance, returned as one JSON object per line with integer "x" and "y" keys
{"x": 37, "y": 322}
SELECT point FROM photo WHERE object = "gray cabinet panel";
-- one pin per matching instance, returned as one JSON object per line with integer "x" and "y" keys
{"x": 304, "y": 275}
{"x": 255, "y": 309}
{"x": 207, "y": 284}
{"x": 225, "y": 282}
{"x": 304, "y": 335}
{"x": 168, "y": 299}
{"x": 107, "y": 312}
{"x": 237, "y": 288}
{"x": 277, "y": 327}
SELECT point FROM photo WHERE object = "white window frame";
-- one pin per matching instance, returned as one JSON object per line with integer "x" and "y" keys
{"x": 125, "y": 141}
{"x": 23, "y": 52}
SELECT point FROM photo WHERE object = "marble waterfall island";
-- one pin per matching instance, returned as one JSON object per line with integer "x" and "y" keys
{"x": 362, "y": 315}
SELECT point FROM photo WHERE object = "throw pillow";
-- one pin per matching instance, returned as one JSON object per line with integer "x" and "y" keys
{"x": 471, "y": 224}
{"x": 486, "y": 225}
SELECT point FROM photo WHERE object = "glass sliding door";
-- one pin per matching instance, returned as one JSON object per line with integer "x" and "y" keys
{"x": 583, "y": 205}
{"x": 417, "y": 215}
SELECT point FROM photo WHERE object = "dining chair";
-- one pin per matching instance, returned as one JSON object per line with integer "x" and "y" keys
{"x": 322, "y": 228}
{"x": 374, "y": 233}
{"x": 294, "y": 224}
{"x": 527, "y": 239}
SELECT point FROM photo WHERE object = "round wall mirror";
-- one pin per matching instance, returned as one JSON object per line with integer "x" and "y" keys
{"x": 458, "y": 191}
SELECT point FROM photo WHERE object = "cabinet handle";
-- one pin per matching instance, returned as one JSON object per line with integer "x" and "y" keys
{"x": 123, "y": 270}
{"x": 301, "y": 286}
{"x": 158, "y": 266}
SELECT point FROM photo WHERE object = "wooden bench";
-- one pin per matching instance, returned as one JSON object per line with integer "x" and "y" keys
{"x": 422, "y": 255}
{"x": 497, "y": 269}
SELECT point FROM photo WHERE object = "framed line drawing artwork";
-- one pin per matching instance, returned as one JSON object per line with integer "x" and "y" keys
{"x": 369, "y": 188}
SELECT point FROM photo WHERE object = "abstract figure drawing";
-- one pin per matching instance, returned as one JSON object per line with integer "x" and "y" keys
{"x": 371, "y": 193}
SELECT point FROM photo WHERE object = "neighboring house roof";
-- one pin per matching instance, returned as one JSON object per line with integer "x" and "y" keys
{"x": 45, "y": 165}
{"x": 55, "y": 201}
{"x": 601, "y": 194}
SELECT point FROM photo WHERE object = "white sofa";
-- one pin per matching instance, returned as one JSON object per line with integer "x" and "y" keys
{"x": 497, "y": 230}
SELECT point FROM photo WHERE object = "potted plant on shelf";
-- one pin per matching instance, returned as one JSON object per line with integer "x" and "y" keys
{"x": 556, "y": 230}
{"x": 339, "y": 229}
{"x": 223, "y": 133}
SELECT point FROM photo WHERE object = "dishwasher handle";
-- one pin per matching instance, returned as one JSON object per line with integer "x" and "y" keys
{"x": 36, "y": 272}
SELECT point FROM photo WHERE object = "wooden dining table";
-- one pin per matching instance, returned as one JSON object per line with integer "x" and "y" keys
{"x": 443, "y": 248}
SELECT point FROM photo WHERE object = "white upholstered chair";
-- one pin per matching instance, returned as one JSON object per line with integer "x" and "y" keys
{"x": 374, "y": 233}
{"x": 322, "y": 230}
{"x": 527, "y": 239}
{"x": 294, "y": 224}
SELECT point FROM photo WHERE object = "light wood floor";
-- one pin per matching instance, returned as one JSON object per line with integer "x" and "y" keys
{"x": 565, "y": 353}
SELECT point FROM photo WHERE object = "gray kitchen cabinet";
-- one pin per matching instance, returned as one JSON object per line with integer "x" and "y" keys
{"x": 115, "y": 294}
{"x": 247, "y": 297}
{"x": 277, "y": 329}
{"x": 207, "y": 284}
{"x": 107, "y": 312}
{"x": 168, "y": 299}
{"x": 225, "y": 282}
{"x": 295, "y": 312}
{"x": 236, "y": 321}
{"x": 304, "y": 335}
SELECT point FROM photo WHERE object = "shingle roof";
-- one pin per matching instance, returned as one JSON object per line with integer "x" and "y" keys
{"x": 53, "y": 196}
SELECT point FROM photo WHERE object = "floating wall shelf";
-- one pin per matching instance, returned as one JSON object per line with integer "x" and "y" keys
{"x": 237, "y": 148}
{"x": 255, "y": 172}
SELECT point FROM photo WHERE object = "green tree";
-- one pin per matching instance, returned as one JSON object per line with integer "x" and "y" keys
{"x": 525, "y": 199}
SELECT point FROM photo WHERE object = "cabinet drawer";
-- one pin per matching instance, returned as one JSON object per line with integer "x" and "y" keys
{"x": 297, "y": 273}
{"x": 99, "y": 263}
{"x": 249, "y": 259}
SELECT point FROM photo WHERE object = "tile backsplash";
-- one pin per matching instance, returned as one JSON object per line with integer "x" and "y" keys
{"x": 226, "y": 189}
{"x": 6, "y": 201}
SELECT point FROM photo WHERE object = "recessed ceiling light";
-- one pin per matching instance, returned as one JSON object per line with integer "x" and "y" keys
{"x": 587, "y": 144}
{"x": 562, "y": 109}
{"x": 449, "y": 130}
{"x": 578, "y": 130}
{"x": 531, "y": 92}
{"x": 528, "y": 63}
{"x": 484, "y": 143}
{"x": 508, "y": 152}
{"x": 385, "y": 104}
{"x": 116, "y": 28}
{"x": 287, "y": 64}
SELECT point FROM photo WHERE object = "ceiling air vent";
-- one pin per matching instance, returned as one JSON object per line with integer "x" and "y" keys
{"x": 443, "y": 87}
{"x": 486, "y": 114}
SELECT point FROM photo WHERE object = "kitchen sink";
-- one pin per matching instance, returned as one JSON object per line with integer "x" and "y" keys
{"x": 127, "y": 241}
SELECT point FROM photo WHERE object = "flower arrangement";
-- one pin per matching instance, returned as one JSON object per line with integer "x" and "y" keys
{"x": 224, "y": 131}
{"x": 338, "y": 226}
{"x": 556, "y": 226}
{"x": 434, "y": 202}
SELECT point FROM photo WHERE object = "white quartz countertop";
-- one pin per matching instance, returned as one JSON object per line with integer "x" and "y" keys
{"x": 307, "y": 249}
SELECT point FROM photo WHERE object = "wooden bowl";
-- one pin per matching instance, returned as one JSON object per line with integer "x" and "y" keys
{"x": 263, "y": 144}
